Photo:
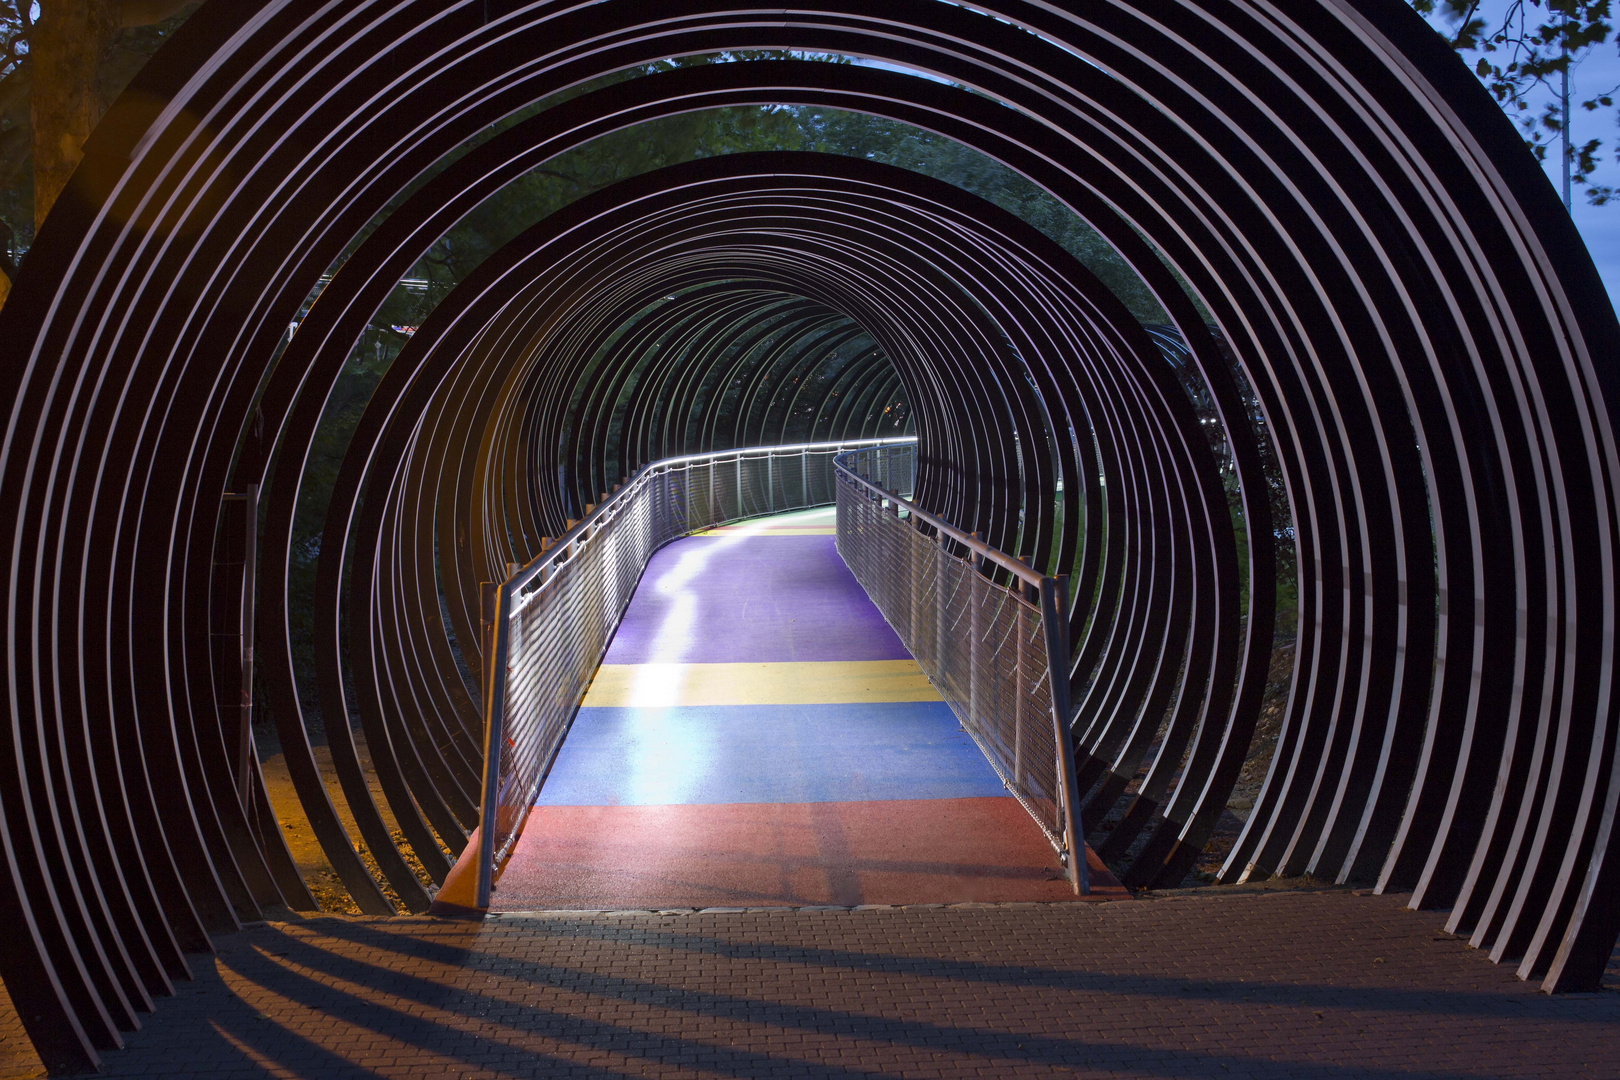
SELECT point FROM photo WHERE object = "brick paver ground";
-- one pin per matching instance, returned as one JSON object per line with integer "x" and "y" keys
{"x": 1222, "y": 983}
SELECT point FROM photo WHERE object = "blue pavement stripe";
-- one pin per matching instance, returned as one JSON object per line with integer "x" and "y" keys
{"x": 764, "y": 754}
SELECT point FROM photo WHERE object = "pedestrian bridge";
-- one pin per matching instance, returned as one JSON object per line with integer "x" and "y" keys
{"x": 757, "y": 733}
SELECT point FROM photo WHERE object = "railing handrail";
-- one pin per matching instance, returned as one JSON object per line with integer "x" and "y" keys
{"x": 610, "y": 506}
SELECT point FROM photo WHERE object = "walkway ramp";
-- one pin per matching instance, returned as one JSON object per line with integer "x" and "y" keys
{"x": 758, "y": 736}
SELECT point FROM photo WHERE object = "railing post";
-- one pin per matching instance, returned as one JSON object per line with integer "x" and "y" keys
{"x": 912, "y": 572}
{"x": 1018, "y": 697}
{"x": 493, "y": 605}
{"x": 1057, "y": 671}
{"x": 250, "y": 568}
{"x": 975, "y": 630}
{"x": 1028, "y": 592}
{"x": 940, "y": 570}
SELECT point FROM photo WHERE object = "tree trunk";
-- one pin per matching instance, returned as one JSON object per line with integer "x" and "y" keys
{"x": 65, "y": 51}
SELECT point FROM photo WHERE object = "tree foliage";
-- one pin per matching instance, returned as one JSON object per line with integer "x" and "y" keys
{"x": 1521, "y": 51}
{"x": 16, "y": 161}
{"x": 136, "y": 29}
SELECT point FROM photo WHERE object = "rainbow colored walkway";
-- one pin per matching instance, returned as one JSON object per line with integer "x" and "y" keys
{"x": 757, "y": 735}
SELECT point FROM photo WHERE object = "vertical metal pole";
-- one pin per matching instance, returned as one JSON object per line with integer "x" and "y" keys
{"x": 911, "y": 537}
{"x": 902, "y": 550}
{"x": 941, "y": 568}
{"x": 1057, "y": 671}
{"x": 494, "y": 612}
{"x": 1018, "y": 696}
{"x": 250, "y": 566}
{"x": 975, "y": 632}
{"x": 804, "y": 475}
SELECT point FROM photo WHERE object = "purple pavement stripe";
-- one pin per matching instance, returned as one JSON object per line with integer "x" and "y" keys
{"x": 740, "y": 599}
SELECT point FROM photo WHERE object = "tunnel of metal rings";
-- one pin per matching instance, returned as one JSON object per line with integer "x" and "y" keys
{"x": 1338, "y": 450}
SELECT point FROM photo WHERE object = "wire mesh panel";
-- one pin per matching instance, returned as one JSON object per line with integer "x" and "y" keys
{"x": 551, "y": 621}
{"x": 892, "y": 468}
{"x": 986, "y": 646}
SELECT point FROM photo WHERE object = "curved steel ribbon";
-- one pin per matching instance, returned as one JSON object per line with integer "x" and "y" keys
{"x": 1379, "y": 309}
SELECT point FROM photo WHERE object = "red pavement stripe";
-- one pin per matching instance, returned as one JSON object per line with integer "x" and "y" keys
{"x": 787, "y": 854}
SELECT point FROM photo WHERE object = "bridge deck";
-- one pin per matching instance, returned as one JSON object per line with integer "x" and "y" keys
{"x": 758, "y": 736}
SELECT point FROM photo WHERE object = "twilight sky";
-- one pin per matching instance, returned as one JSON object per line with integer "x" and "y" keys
{"x": 1600, "y": 225}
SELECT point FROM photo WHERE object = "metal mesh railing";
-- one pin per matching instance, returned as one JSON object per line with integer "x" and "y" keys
{"x": 990, "y": 649}
{"x": 548, "y": 625}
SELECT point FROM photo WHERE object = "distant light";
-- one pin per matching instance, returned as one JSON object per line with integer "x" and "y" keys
{"x": 406, "y": 330}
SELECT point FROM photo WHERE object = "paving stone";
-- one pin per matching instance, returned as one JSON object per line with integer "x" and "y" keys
{"x": 1265, "y": 984}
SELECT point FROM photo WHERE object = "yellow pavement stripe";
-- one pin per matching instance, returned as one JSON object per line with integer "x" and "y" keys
{"x": 822, "y": 683}
{"x": 732, "y": 530}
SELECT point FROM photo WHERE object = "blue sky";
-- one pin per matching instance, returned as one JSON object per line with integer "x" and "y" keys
{"x": 1600, "y": 225}
{"x": 1599, "y": 70}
